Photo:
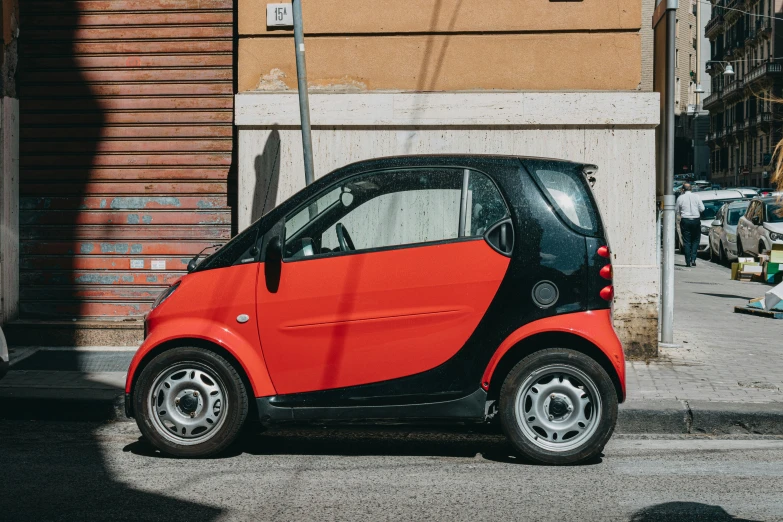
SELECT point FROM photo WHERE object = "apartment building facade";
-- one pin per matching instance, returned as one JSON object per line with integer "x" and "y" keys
{"x": 743, "y": 127}
{"x": 541, "y": 78}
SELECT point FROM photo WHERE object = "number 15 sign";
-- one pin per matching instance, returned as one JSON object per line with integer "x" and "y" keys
{"x": 279, "y": 15}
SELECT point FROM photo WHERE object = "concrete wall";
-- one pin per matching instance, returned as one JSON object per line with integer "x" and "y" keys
{"x": 433, "y": 45}
{"x": 614, "y": 130}
{"x": 647, "y": 36}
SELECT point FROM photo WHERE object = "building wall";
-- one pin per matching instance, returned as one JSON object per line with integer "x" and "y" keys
{"x": 9, "y": 165}
{"x": 685, "y": 71}
{"x": 613, "y": 130}
{"x": 648, "y": 41}
{"x": 427, "y": 45}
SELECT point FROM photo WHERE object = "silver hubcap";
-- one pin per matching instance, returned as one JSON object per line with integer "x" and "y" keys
{"x": 187, "y": 403}
{"x": 558, "y": 407}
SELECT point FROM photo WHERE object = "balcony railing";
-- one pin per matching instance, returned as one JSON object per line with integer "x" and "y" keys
{"x": 764, "y": 117}
{"x": 732, "y": 87}
{"x": 763, "y": 26}
{"x": 713, "y": 25}
{"x": 762, "y": 70}
{"x": 712, "y": 98}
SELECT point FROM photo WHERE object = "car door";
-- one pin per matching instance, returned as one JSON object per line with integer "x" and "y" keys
{"x": 743, "y": 227}
{"x": 715, "y": 231}
{"x": 383, "y": 275}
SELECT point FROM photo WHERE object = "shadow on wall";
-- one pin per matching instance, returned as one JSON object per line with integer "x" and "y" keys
{"x": 679, "y": 511}
{"x": 267, "y": 167}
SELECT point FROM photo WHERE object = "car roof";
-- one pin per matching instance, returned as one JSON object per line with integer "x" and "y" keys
{"x": 708, "y": 195}
{"x": 739, "y": 203}
{"x": 770, "y": 199}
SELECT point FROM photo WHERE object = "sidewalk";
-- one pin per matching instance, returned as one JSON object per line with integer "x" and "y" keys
{"x": 726, "y": 378}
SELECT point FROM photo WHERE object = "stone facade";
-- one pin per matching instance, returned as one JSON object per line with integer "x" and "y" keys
{"x": 743, "y": 122}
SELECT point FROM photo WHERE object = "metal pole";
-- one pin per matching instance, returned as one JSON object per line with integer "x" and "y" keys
{"x": 668, "y": 217}
{"x": 304, "y": 103}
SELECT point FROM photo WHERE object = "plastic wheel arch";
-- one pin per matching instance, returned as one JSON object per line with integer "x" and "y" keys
{"x": 189, "y": 341}
{"x": 520, "y": 344}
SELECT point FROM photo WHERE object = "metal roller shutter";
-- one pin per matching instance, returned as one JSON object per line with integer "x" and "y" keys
{"x": 126, "y": 138}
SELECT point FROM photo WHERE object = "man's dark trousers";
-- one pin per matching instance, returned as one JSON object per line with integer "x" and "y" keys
{"x": 691, "y": 235}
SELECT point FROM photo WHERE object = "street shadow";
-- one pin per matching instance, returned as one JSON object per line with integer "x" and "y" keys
{"x": 684, "y": 511}
{"x": 52, "y": 471}
{"x": 354, "y": 441}
{"x": 725, "y": 296}
{"x": 267, "y": 168}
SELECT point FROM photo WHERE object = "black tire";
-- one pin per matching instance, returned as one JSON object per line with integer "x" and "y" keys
{"x": 740, "y": 251}
{"x": 723, "y": 258}
{"x": 537, "y": 366}
{"x": 226, "y": 379}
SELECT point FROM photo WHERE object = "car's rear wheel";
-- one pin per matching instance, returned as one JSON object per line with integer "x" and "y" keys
{"x": 558, "y": 406}
{"x": 723, "y": 258}
{"x": 190, "y": 402}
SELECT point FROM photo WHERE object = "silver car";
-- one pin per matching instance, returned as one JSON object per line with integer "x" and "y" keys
{"x": 723, "y": 231}
{"x": 3, "y": 355}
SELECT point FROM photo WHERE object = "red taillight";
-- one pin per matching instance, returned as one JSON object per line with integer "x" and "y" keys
{"x": 606, "y": 272}
{"x": 607, "y": 293}
{"x": 604, "y": 252}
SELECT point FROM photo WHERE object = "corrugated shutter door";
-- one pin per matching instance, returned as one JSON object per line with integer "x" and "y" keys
{"x": 126, "y": 138}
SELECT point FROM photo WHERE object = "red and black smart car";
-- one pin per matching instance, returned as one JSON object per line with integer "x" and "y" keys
{"x": 406, "y": 289}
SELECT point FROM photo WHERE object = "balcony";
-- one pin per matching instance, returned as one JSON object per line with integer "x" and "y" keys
{"x": 764, "y": 70}
{"x": 750, "y": 36}
{"x": 763, "y": 27}
{"x": 711, "y": 99}
{"x": 733, "y": 88}
{"x": 764, "y": 117}
{"x": 714, "y": 26}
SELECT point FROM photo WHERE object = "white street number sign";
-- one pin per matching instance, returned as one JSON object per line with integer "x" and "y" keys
{"x": 279, "y": 15}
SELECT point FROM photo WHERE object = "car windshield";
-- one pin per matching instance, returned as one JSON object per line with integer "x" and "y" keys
{"x": 735, "y": 214}
{"x": 711, "y": 207}
{"x": 774, "y": 212}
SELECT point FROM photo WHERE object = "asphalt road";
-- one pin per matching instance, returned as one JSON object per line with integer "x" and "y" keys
{"x": 79, "y": 471}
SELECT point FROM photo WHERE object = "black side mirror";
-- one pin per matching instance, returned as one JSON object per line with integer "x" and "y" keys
{"x": 273, "y": 264}
{"x": 755, "y": 220}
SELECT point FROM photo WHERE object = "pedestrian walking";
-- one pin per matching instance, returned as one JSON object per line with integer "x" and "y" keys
{"x": 689, "y": 208}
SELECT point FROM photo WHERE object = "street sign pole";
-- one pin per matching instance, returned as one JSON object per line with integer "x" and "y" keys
{"x": 304, "y": 103}
{"x": 666, "y": 11}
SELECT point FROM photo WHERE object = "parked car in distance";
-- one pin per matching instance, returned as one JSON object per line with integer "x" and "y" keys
{"x": 761, "y": 226}
{"x": 3, "y": 355}
{"x": 723, "y": 230}
{"x": 713, "y": 200}
{"x": 408, "y": 289}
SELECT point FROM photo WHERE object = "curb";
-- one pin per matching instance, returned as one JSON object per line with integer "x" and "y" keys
{"x": 700, "y": 417}
{"x": 62, "y": 404}
{"x": 634, "y": 417}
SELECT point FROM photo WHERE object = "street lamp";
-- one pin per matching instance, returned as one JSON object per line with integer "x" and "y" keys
{"x": 728, "y": 70}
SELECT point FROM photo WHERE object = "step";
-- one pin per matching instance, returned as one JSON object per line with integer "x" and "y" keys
{"x": 80, "y": 332}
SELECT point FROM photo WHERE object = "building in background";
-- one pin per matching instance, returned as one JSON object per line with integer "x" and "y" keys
{"x": 557, "y": 79}
{"x": 743, "y": 130}
{"x": 686, "y": 57}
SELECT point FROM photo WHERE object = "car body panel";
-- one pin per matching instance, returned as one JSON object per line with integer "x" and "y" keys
{"x": 492, "y": 300}
{"x": 348, "y": 320}
{"x": 4, "y": 360}
{"x": 206, "y": 307}
{"x": 594, "y": 326}
{"x": 725, "y": 235}
{"x": 753, "y": 235}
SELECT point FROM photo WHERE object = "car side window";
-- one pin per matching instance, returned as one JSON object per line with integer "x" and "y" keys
{"x": 484, "y": 203}
{"x": 378, "y": 210}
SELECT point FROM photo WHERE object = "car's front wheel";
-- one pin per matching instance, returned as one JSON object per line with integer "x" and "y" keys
{"x": 558, "y": 406}
{"x": 190, "y": 402}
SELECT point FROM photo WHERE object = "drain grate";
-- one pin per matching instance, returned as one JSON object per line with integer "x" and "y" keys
{"x": 66, "y": 361}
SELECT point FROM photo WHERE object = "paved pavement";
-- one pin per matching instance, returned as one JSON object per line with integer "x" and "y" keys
{"x": 82, "y": 471}
{"x": 725, "y": 356}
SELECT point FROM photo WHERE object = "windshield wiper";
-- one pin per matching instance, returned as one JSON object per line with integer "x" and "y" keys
{"x": 194, "y": 262}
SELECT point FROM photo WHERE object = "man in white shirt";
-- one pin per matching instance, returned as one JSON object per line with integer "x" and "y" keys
{"x": 689, "y": 208}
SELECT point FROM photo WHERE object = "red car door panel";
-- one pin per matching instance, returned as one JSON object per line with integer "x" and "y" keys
{"x": 347, "y": 320}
